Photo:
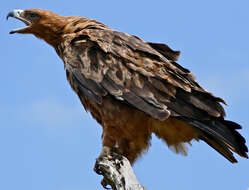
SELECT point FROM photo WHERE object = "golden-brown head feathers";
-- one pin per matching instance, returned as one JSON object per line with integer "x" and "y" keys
{"x": 44, "y": 24}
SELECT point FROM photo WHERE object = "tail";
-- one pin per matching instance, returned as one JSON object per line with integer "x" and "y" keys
{"x": 222, "y": 135}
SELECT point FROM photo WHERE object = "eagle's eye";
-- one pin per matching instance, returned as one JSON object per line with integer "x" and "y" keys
{"x": 31, "y": 15}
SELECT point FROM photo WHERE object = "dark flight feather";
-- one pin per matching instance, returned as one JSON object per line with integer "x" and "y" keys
{"x": 167, "y": 52}
{"x": 221, "y": 135}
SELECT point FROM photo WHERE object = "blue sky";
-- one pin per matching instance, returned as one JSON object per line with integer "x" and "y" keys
{"x": 47, "y": 141}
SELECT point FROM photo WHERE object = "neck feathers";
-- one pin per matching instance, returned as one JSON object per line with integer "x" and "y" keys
{"x": 52, "y": 30}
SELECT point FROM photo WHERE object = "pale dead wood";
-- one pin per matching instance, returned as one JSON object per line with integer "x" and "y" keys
{"x": 117, "y": 173}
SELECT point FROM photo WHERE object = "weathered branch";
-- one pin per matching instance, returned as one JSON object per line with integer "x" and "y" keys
{"x": 117, "y": 173}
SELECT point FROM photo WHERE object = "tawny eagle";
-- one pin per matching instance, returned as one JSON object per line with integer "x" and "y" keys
{"x": 134, "y": 88}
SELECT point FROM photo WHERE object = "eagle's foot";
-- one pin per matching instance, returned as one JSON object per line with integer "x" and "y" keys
{"x": 107, "y": 154}
{"x": 116, "y": 171}
{"x": 105, "y": 182}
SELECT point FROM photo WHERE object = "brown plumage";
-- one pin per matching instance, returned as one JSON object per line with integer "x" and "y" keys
{"x": 134, "y": 88}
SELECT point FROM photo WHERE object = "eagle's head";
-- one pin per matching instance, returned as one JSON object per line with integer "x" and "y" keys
{"x": 42, "y": 23}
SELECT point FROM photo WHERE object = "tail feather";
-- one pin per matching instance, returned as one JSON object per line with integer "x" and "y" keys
{"x": 222, "y": 136}
{"x": 219, "y": 146}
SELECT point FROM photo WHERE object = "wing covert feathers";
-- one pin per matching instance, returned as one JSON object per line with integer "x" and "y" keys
{"x": 133, "y": 71}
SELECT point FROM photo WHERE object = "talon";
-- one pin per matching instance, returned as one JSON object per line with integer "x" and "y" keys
{"x": 104, "y": 184}
{"x": 106, "y": 153}
{"x": 97, "y": 168}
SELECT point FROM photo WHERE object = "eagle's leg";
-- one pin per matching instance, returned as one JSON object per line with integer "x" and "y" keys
{"x": 109, "y": 142}
{"x": 133, "y": 148}
{"x": 110, "y": 137}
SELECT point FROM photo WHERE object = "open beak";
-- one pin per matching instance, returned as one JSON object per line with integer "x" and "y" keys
{"x": 18, "y": 14}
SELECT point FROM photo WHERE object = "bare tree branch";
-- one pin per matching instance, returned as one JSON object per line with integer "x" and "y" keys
{"x": 117, "y": 172}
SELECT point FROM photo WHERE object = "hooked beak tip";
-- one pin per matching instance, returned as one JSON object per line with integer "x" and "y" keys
{"x": 10, "y": 14}
{"x": 15, "y": 13}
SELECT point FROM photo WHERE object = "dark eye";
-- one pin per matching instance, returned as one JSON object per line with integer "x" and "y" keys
{"x": 32, "y": 15}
